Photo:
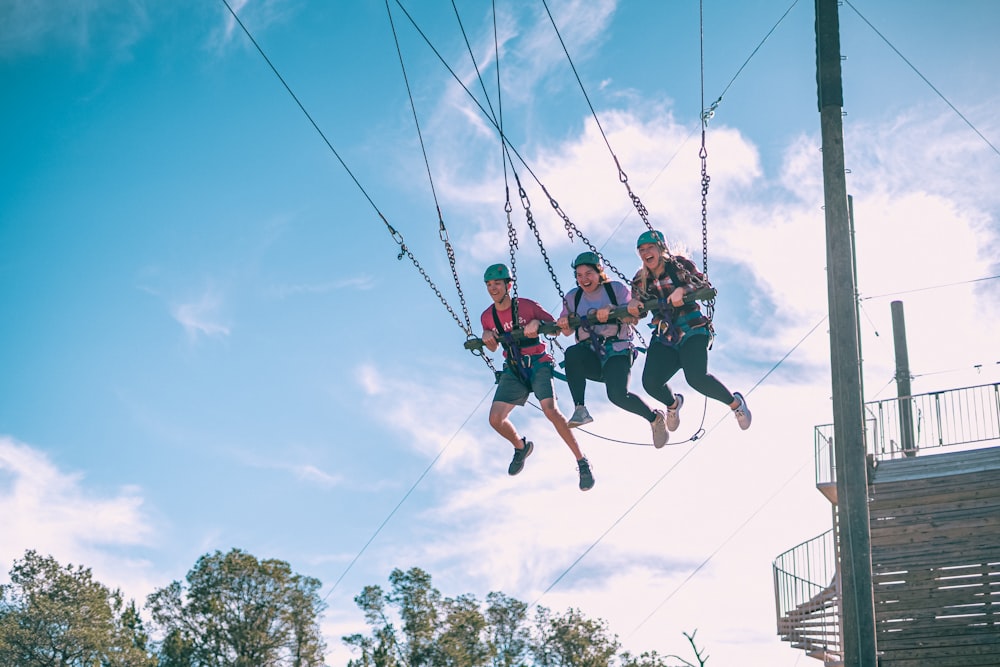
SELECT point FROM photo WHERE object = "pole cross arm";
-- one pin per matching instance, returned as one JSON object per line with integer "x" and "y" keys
{"x": 616, "y": 315}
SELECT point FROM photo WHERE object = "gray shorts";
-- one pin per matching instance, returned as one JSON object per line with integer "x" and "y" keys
{"x": 511, "y": 390}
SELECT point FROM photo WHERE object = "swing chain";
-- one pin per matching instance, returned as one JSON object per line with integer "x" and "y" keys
{"x": 405, "y": 251}
{"x": 534, "y": 229}
{"x": 640, "y": 208}
{"x": 511, "y": 242}
{"x": 705, "y": 180}
{"x": 443, "y": 233}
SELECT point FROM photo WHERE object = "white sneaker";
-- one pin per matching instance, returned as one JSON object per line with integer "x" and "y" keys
{"x": 674, "y": 413}
{"x": 742, "y": 412}
{"x": 659, "y": 426}
{"x": 580, "y": 417}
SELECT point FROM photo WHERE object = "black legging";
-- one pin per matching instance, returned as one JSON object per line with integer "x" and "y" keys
{"x": 663, "y": 361}
{"x": 583, "y": 364}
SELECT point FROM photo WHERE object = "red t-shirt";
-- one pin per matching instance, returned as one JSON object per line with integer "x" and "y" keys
{"x": 527, "y": 310}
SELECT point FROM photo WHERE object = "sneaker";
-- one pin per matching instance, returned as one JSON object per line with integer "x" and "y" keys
{"x": 517, "y": 463}
{"x": 580, "y": 417}
{"x": 742, "y": 412}
{"x": 586, "y": 477}
{"x": 674, "y": 413}
{"x": 659, "y": 425}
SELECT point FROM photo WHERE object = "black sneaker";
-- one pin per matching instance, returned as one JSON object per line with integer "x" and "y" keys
{"x": 517, "y": 463}
{"x": 586, "y": 477}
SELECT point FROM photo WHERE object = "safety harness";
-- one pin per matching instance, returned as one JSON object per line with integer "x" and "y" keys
{"x": 603, "y": 346}
{"x": 522, "y": 365}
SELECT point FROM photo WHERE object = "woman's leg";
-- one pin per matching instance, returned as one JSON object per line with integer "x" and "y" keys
{"x": 617, "y": 371}
{"x": 662, "y": 362}
{"x": 694, "y": 360}
{"x": 582, "y": 364}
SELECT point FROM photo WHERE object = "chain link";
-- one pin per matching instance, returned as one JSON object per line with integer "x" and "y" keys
{"x": 511, "y": 242}
{"x": 404, "y": 251}
{"x": 526, "y": 203}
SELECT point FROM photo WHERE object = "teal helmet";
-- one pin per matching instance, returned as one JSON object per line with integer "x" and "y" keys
{"x": 651, "y": 236}
{"x": 587, "y": 258}
{"x": 496, "y": 272}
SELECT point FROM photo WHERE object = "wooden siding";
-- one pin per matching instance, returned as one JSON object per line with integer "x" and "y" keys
{"x": 935, "y": 536}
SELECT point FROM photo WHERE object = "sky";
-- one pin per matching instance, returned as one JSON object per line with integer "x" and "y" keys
{"x": 209, "y": 341}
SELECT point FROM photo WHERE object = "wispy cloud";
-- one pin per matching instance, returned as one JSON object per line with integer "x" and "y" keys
{"x": 356, "y": 283}
{"x": 32, "y": 26}
{"x": 201, "y": 317}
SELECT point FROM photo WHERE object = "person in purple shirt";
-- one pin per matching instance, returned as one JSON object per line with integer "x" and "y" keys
{"x": 604, "y": 350}
{"x": 527, "y": 369}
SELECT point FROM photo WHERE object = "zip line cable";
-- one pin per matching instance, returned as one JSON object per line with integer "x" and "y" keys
{"x": 645, "y": 494}
{"x": 442, "y": 230}
{"x": 932, "y": 287}
{"x": 924, "y": 78}
{"x": 408, "y": 493}
{"x": 571, "y": 228}
{"x": 404, "y": 250}
{"x": 722, "y": 545}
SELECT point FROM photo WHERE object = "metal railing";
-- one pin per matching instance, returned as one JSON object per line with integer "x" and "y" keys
{"x": 807, "y": 597}
{"x": 899, "y": 427}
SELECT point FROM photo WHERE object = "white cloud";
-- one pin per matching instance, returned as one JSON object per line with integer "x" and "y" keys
{"x": 200, "y": 318}
{"x": 32, "y": 26}
{"x": 53, "y": 512}
{"x": 356, "y": 283}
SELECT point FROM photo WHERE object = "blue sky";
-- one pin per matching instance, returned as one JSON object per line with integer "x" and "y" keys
{"x": 209, "y": 343}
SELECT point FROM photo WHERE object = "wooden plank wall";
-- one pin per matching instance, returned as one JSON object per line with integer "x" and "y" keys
{"x": 936, "y": 566}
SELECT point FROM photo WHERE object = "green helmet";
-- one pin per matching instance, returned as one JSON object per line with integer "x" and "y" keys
{"x": 496, "y": 272}
{"x": 651, "y": 236}
{"x": 587, "y": 258}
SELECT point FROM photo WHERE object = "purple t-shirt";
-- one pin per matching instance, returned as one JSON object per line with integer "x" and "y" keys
{"x": 598, "y": 299}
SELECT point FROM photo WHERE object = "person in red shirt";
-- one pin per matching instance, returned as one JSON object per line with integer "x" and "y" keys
{"x": 527, "y": 369}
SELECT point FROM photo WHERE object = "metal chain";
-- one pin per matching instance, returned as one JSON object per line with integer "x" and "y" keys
{"x": 705, "y": 180}
{"x": 511, "y": 242}
{"x": 403, "y": 250}
{"x": 534, "y": 229}
{"x": 443, "y": 233}
{"x": 639, "y": 206}
{"x": 572, "y": 229}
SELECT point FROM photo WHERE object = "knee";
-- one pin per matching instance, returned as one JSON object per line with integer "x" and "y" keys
{"x": 650, "y": 384}
{"x": 617, "y": 395}
{"x": 552, "y": 413}
{"x": 496, "y": 420}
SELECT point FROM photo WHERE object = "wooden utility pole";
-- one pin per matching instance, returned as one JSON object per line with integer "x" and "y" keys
{"x": 903, "y": 379}
{"x": 857, "y": 598}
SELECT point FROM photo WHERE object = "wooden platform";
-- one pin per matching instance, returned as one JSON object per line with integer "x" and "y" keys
{"x": 935, "y": 536}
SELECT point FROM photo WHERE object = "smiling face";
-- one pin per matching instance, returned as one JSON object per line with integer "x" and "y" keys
{"x": 652, "y": 256}
{"x": 588, "y": 278}
{"x": 497, "y": 290}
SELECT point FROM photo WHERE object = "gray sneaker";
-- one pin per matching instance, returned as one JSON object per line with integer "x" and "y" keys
{"x": 659, "y": 425}
{"x": 674, "y": 413}
{"x": 586, "y": 476}
{"x": 742, "y": 412}
{"x": 517, "y": 463}
{"x": 580, "y": 417}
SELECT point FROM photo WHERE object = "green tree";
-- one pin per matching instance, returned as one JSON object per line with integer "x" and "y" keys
{"x": 435, "y": 631}
{"x": 59, "y": 616}
{"x": 572, "y": 640}
{"x": 506, "y": 620}
{"x": 237, "y": 611}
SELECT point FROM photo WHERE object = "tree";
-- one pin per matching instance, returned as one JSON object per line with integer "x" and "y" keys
{"x": 572, "y": 640}
{"x": 436, "y": 631}
{"x": 237, "y": 611}
{"x": 508, "y": 637}
{"x": 51, "y": 615}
